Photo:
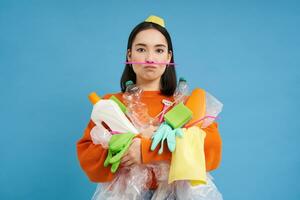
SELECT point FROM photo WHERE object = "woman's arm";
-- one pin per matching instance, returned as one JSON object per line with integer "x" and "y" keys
{"x": 92, "y": 157}
{"x": 212, "y": 147}
{"x": 149, "y": 156}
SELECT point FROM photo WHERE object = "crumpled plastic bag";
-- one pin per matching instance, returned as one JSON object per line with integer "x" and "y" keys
{"x": 213, "y": 109}
{"x": 182, "y": 190}
{"x": 132, "y": 184}
{"x": 129, "y": 184}
{"x": 100, "y": 135}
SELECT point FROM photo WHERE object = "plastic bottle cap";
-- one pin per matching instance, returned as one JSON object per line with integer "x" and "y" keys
{"x": 130, "y": 82}
{"x": 94, "y": 98}
{"x": 182, "y": 79}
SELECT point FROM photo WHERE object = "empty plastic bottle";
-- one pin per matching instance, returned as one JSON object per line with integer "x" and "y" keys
{"x": 182, "y": 91}
{"x": 132, "y": 93}
{"x": 136, "y": 110}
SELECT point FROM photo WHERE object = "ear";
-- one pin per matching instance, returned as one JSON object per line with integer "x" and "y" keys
{"x": 170, "y": 54}
{"x": 129, "y": 55}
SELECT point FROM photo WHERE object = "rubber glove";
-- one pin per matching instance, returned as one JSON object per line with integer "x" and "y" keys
{"x": 188, "y": 160}
{"x": 117, "y": 146}
{"x": 165, "y": 132}
{"x": 171, "y": 138}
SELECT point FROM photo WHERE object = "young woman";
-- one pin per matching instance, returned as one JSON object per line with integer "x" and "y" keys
{"x": 150, "y": 53}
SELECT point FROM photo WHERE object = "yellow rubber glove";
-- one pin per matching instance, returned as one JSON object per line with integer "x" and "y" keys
{"x": 188, "y": 159}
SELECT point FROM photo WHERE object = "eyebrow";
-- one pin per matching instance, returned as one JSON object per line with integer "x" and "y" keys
{"x": 157, "y": 45}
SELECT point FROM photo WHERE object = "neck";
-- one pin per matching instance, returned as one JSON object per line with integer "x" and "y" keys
{"x": 153, "y": 85}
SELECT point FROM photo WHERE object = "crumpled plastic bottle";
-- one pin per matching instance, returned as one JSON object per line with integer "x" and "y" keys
{"x": 137, "y": 111}
{"x": 132, "y": 93}
{"x": 182, "y": 91}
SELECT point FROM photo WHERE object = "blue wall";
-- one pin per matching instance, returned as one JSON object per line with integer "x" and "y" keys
{"x": 52, "y": 54}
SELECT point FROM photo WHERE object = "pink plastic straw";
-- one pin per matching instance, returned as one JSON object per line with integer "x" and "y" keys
{"x": 162, "y": 114}
{"x": 167, "y": 105}
{"x": 115, "y": 132}
{"x": 145, "y": 63}
{"x": 199, "y": 120}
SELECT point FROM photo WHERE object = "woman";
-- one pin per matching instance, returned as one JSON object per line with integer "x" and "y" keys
{"x": 150, "y": 51}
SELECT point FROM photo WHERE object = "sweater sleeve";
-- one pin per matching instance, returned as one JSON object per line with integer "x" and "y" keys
{"x": 149, "y": 156}
{"x": 91, "y": 157}
{"x": 212, "y": 149}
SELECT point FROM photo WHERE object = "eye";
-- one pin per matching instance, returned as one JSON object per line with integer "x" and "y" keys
{"x": 140, "y": 50}
{"x": 160, "y": 51}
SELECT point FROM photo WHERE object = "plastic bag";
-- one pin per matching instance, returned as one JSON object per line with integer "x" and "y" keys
{"x": 130, "y": 184}
{"x": 137, "y": 111}
{"x": 182, "y": 91}
{"x": 213, "y": 109}
{"x": 182, "y": 190}
{"x": 100, "y": 135}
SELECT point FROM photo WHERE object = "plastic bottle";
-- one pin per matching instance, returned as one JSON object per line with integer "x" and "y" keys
{"x": 136, "y": 110}
{"x": 108, "y": 111}
{"x": 182, "y": 91}
{"x": 132, "y": 93}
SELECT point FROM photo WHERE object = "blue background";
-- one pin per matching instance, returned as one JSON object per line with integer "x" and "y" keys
{"x": 53, "y": 53}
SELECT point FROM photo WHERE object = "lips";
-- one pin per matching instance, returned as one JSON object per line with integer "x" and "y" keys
{"x": 150, "y": 67}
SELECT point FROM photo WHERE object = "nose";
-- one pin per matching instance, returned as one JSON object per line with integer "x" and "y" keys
{"x": 149, "y": 57}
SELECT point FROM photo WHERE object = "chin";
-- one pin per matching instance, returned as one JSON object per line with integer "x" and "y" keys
{"x": 151, "y": 78}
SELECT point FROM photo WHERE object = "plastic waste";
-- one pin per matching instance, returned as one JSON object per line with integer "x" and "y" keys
{"x": 168, "y": 130}
{"x": 132, "y": 92}
{"x": 132, "y": 184}
{"x": 213, "y": 108}
{"x": 100, "y": 135}
{"x": 137, "y": 111}
{"x": 182, "y": 91}
{"x": 129, "y": 184}
{"x": 182, "y": 190}
{"x": 109, "y": 112}
{"x": 167, "y": 105}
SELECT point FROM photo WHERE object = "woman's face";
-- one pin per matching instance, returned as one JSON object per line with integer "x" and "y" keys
{"x": 149, "y": 46}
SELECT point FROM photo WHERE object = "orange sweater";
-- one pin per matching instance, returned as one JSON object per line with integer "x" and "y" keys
{"x": 92, "y": 157}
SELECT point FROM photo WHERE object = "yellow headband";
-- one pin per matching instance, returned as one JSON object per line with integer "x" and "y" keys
{"x": 156, "y": 20}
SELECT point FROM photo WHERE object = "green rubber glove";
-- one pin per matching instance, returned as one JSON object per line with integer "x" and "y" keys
{"x": 159, "y": 134}
{"x": 117, "y": 146}
{"x": 165, "y": 132}
{"x": 171, "y": 138}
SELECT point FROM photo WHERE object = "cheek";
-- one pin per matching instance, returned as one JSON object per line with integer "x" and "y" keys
{"x": 164, "y": 57}
{"x": 162, "y": 70}
{"x": 136, "y": 57}
{"x": 134, "y": 69}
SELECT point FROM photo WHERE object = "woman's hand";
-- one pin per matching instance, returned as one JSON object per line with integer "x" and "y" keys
{"x": 148, "y": 133}
{"x": 133, "y": 155}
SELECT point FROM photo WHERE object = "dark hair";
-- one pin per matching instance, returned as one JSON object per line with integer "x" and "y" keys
{"x": 168, "y": 80}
